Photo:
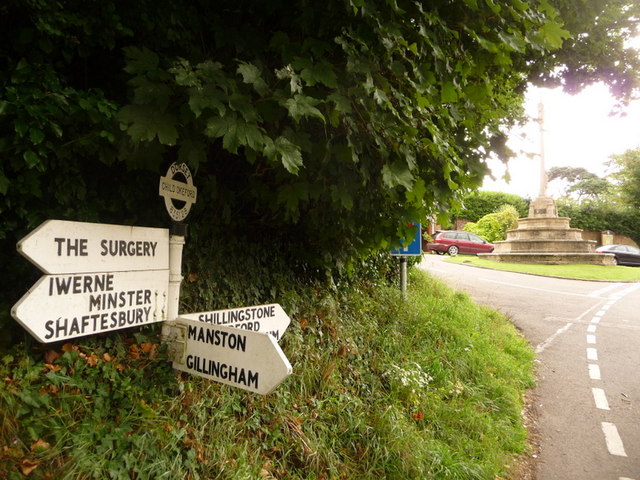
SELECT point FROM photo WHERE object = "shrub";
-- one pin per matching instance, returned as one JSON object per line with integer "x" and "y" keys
{"x": 493, "y": 227}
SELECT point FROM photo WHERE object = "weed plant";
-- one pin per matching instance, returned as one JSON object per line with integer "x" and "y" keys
{"x": 428, "y": 387}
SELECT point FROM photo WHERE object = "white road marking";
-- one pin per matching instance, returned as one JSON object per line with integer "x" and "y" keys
{"x": 600, "y": 398}
{"x": 613, "y": 440}
{"x": 592, "y": 354}
{"x": 594, "y": 372}
{"x": 542, "y": 346}
{"x": 629, "y": 289}
{"x": 597, "y": 293}
{"x": 591, "y": 339}
{"x": 556, "y": 292}
{"x": 595, "y": 320}
{"x": 592, "y": 328}
{"x": 546, "y": 343}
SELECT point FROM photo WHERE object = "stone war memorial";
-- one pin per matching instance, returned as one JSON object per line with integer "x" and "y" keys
{"x": 544, "y": 237}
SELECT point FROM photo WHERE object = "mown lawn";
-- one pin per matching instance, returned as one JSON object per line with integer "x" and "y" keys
{"x": 584, "y": 272}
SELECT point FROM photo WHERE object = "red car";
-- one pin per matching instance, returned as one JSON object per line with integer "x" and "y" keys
{"x": 457, "y": 241}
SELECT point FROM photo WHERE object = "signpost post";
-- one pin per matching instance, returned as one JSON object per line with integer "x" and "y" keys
{"x": 178, "y": 198}
{"x": 252, "y": 361}
{"x": 100, "y": 278}
{"x": 412, "y": 249}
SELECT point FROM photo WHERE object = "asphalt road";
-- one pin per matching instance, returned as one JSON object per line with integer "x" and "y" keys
{"x": 587, "y": 339}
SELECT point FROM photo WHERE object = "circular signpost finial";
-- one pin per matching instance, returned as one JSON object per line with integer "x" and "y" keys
{"x": 175, "y": 191}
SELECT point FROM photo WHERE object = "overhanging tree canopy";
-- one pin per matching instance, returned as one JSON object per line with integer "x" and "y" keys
{"x": 320, "y": 124}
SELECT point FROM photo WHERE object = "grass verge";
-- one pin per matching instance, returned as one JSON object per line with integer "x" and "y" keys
{"x": 428, "y": 388}
{"x": 583, "y": 272}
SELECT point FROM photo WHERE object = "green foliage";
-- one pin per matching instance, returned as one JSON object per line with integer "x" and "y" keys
{"x": 431, "y": 387}
{"x": 494, "y": 226}
{"x": 627, "y": 177}
{"x": 316, "y": 126}
{"x": 601, "y": 216}
{"x": 597, "y": 30}
{"x": 480, "y": 203}
{"x": 581, "y": 182}
{"x": 91, "y": 410}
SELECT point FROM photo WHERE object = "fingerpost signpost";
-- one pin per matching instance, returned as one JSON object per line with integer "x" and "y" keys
{"x": 271, "y": 319}
{"x": 244, "y": 359}
{"x": 234, "y": 346}
{"x": 100, "y": 278}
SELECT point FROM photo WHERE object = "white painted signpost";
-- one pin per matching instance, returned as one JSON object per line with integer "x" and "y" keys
{"x": 271, "y": 319}
{"x": 252, "y": 361}
{"x": 59, "y": 307}
{"x": 60, "y": 246}
{"x": 226, "y": 346}
{"x": 103, "y": 278}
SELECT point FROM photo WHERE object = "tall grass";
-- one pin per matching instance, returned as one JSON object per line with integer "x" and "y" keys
{"x": 430, "y": 387}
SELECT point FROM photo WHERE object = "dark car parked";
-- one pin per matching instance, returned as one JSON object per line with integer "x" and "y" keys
{"x": 456, "y": 241}
{"x": 625, "y": 254}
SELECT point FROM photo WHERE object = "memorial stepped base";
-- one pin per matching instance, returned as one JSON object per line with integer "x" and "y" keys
{"x": 545, "y": 238}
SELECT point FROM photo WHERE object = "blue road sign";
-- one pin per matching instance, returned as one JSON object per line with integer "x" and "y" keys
{"x": 414, "y": 248}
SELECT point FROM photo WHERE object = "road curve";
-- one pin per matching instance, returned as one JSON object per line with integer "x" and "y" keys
{"x": 587, "y": 339}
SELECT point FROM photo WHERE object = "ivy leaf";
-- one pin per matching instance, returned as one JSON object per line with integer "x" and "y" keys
{"x": 219, "y": 126}
{"x": 292, "y": 195}
{"x": 302, "y": 106}
{"x": 31, "y": 158}
{"x": 554, "y": 34}
{"x": 250, "y": 134}
{"x": 36, "y": 135}
{"x": 286, "y": 151}
{"x": 343, "y": 104}
{"x": 448, "y": 93}
{"x": 251, "y": 75}
{"x": 320, "y": 73}
{"x": 140, "y": 61}
{"x": 242, "y": 104}
{"x": 236, "y": 132}
{"x": 192, "y": 153}
{"x": 207, "y": 97}
{"x": 227, "y": 128}
{"x": 397, "y": 173}
{"x": 145, "y": 122}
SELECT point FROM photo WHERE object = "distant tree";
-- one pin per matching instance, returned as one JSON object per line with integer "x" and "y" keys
{"x": 580, "y": 182}
{"x": 494, "y": 226}
{"x": 627, "y": 177}
{"x": 479, "y": 203}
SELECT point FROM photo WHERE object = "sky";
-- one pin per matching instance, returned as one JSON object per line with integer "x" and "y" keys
{"x": 578, "y": 132}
